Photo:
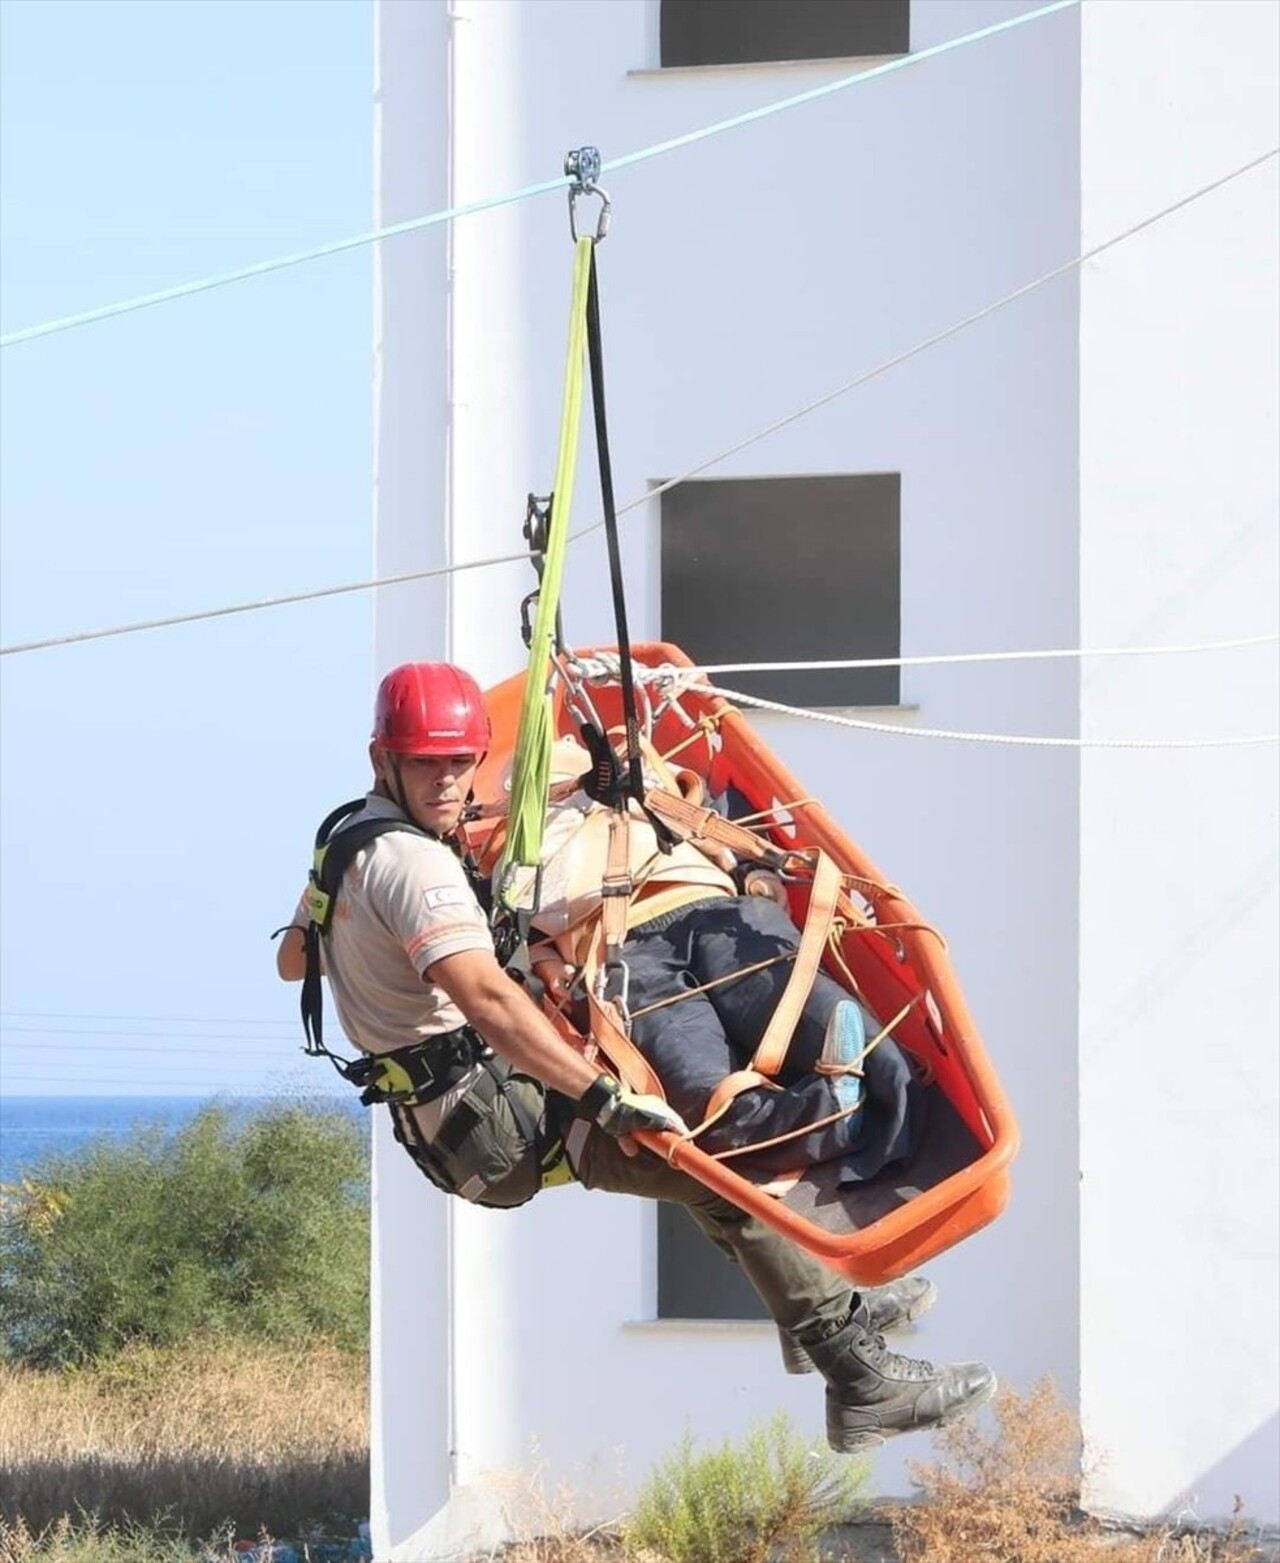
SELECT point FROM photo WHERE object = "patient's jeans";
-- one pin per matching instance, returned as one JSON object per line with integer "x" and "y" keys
{"x": 704, "y": 1036}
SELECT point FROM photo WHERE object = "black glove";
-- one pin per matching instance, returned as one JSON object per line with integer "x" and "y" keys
{"x": 618, "y": 1110}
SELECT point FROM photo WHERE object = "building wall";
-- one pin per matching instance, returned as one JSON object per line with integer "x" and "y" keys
{"x": 1178, "y": 909}
{"x": 743, "y": 277}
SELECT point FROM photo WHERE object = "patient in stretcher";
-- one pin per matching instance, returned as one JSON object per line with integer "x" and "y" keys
{"x": 706, "y": 966}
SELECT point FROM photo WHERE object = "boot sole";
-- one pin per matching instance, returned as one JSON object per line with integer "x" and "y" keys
{"x": 796, "y": 1360}
{"x": 856, "y": 1440}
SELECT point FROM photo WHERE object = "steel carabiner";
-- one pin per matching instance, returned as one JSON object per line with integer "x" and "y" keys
{"x": 583, "y": 167}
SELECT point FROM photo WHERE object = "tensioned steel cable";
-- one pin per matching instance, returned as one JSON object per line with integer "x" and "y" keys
{"x": 408, "y": 576}
{"x": 526, "y": 192}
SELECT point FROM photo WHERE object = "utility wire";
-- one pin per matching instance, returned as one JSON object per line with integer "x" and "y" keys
{"x": 203, "y": 1091}
{"x": 215, "y": 1045}
{"x": 650, "y": 494}
{"x": 159, "y": 1020}
{"x": 526, "y": 192}
{"x": 940, "y": 336}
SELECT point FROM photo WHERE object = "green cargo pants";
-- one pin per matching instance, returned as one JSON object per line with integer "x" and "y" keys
{"x": 803, "y": 1296}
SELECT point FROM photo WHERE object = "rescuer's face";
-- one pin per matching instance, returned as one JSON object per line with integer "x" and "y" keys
{"x": 432, "y": 789}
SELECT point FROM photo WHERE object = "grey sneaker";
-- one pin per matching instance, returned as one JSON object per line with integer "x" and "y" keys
{"x": 874, "y": 1394}
{"x": 888, "y": 1308}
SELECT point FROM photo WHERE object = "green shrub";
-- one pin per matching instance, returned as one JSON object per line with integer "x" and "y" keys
{"x": 251, "y": 1227}
{"x": 89, "y": 1541}
{"x": 769, "y": 1497}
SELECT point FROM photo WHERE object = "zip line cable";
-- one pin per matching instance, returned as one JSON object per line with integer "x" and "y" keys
{"x": 526, "y": 192}
{"x": 406, "y": 577}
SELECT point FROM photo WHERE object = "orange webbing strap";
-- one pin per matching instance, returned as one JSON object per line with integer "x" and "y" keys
{"x": 628, "y": 1061}
{"x": 729, "y": 1088}
{"x": 616, "y": 888}
{"x": 695, "y": 824}
{"x": 607, "y": 935}
{"x": 771, "y": 1053}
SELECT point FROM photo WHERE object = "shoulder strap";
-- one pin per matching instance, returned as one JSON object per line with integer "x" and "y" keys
{"x": 334, "y": 851}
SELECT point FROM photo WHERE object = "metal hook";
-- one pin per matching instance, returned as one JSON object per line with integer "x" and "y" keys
{"x": 583, "y": 167}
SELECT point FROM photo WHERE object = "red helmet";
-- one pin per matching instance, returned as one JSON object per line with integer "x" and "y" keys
{"x": 431, "y": 708}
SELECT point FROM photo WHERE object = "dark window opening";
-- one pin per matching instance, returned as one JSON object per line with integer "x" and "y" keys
{"x": 801, "y": 569}
{"x": 695, "y": 1280}
{"x": 742, "y": 32}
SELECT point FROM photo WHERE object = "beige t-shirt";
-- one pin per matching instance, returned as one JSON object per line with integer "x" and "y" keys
{"x": 574, "y": 857}
{"x": 404, "y": 904}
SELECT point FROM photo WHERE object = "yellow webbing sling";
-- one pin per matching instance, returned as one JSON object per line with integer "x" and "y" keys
{"x": 531, "y": 771}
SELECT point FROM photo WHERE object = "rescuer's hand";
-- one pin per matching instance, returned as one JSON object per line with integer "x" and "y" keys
{"x": 620, "y": 1111}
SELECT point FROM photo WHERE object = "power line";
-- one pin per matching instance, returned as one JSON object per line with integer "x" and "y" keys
{"x": 216, "y": 1047}
{"x": 941, "y": 336}
{"x": 160, "y": 1020}
{"x": 526, "y": 192}
{"x": 181, "y": 1088}
{"x": 262, "y": 602}
{"x": 662, "y": 488}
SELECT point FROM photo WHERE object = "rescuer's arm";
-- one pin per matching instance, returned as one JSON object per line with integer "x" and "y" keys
{"x": 517, "y": 1030}
{"x": 291, "y": 955}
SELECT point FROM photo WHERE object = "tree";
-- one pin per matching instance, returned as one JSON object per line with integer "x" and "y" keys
{"x": 230, "y": 1226}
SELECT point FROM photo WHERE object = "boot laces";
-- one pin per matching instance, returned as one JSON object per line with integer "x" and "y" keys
{"x": 893, "y": 1364}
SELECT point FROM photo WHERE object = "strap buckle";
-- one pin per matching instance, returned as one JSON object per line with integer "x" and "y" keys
{"x": 583, "y": 167}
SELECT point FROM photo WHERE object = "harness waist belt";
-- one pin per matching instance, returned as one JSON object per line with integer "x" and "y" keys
{"x": 417, "y": 1074}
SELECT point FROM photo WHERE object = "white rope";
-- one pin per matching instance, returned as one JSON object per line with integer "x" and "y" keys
{"x": 977, "y": 656}
{"x": 662, "y": 488}
{"x": 863, "y": 725}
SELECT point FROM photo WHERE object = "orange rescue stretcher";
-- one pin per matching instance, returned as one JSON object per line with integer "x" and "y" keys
{"x": 878, "y": 945}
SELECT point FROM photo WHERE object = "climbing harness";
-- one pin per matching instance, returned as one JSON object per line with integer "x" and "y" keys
{"x": 499, "y": 1142}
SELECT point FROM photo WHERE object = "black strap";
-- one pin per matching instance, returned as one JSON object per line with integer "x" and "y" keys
{"x": 635, "y": 767}
{"x": 334, "y": 851}
{"x": 595, "y": 356}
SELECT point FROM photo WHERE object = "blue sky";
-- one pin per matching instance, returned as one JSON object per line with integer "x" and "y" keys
{"x": 157, "y": 792}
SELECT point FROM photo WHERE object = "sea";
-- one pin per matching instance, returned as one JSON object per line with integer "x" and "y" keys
{"x": 33, "y": 1127}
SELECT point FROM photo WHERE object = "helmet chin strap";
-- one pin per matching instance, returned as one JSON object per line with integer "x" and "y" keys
{"x": 396, "y": 792}
{"x": 397, "y": 795}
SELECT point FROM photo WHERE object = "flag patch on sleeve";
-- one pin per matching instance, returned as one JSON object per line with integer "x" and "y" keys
{"x": 444, "y": 895}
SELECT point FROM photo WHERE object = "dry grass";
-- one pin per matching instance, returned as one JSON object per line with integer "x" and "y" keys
{"x": 1011, "y": 1495}
{"x": 263, "y": 1434}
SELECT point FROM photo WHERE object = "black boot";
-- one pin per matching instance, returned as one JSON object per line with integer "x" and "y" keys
{"x": 888, "y": 1307}
{"x": 872, "y": 1393}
